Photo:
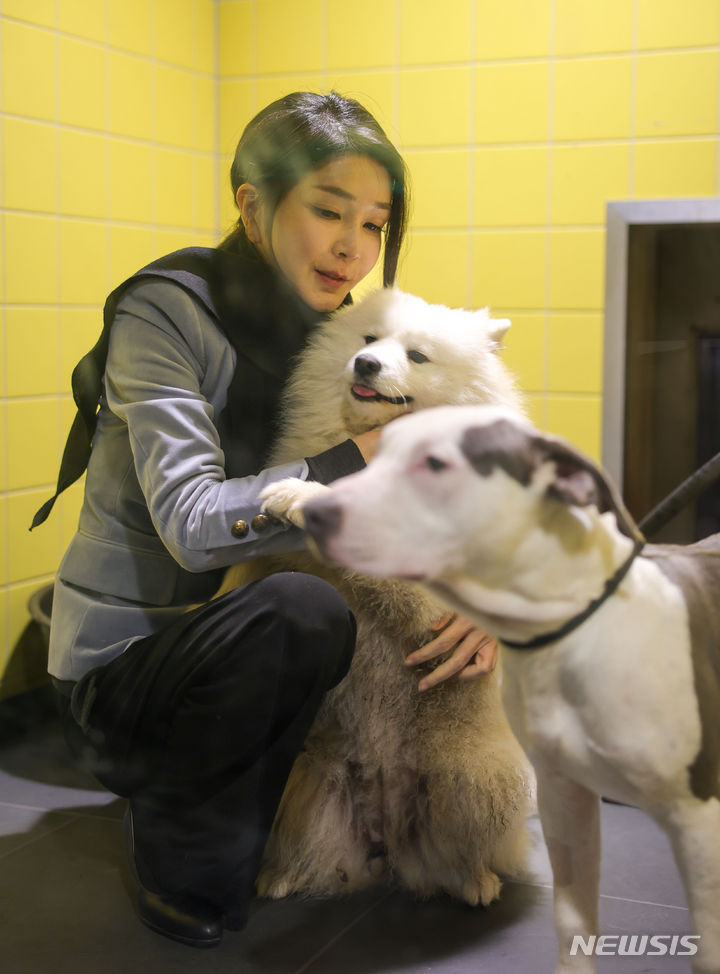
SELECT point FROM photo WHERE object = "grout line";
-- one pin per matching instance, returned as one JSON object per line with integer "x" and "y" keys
{"x": 633, "y": 100}
{"x": 547, "y": 283}
{"x": 93, "y": 816}
{"x": 472, "y": 122}
{"x": 717, "y": 128}
{"x": 70, "y": 812}
{"x": 30, "y": 808}
{"x": 216, "y": 123}
{"x": 32, "y": 306}
{"x": 106, "y": 133}
{"x": 36, "y": 838}
{"x": 153, "y": 129}
{"x": 628, "y": 899}
{"x": 324, "y": 43}
{"x": 108, "y": 192}
{"x": 608, "y": 896}
{"x": 537, "y": 228}
{"x": 58, "y": 526}
{"x": 106, "y": 46}
{"x": 103, "y": 221}
{"x": 491, "y": 62}
{"x": 341, "y": 933}
{"x": 5, "y": 459}
{"x": 24, "y": 491}
{"x": 397, "y": 28}
{"x": 394, "y": 136}
{"x": 255, "y": 34}
{"x": 22, "y": 583}
{"x": 708, "y": 135}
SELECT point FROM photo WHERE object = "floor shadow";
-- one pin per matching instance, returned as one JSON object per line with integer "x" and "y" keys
{"x": 27, "y": 662}
{"x": 390, "y": 931}
{"x": 32, "y": 745}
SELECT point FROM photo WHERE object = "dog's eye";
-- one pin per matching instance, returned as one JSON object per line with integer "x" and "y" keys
{"x": 432, "y": 463}
{"x": 369, "y": 339}
{"x": 416, "y": 356}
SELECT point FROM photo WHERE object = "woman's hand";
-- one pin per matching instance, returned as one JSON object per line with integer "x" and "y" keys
{"x": 474, "y": 653}
{"x": 367, "y": 443}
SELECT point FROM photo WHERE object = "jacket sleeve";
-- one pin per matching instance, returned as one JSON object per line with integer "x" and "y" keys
{"x": 164, "y": 361}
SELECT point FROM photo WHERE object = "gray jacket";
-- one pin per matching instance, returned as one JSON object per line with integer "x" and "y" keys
{"x": 155, "y": 525}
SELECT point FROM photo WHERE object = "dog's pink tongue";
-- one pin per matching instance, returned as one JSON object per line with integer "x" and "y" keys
{"x": 364, "y": 391}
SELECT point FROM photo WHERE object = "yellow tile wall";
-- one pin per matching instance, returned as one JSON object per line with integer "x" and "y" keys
{"x": 519, "y": 121}
{"x": 108, "y": 125}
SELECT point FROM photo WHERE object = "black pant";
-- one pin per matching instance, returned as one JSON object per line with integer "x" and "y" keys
{"x": 200, "y": 723}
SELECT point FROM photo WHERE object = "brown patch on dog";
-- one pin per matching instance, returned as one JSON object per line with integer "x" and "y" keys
{"x": 577, "y": 481}
{"x": 695, "y": 569}
{"x": 501, "y": 444}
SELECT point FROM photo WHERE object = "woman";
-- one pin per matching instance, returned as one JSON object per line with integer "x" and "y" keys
{"x": 196, "y": 716}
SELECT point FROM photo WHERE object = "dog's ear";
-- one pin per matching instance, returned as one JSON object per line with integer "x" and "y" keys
{"x": 497, "y": 328}
{"x": 521, "y": 450}
{"x": 579, "y": 482}
{"x": 494, "y": 328}
{"x": 576, "y": 481}
{"x": 505, "y": 444}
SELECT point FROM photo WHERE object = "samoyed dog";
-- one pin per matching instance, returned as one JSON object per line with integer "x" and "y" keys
{"x": 427, "y": 790}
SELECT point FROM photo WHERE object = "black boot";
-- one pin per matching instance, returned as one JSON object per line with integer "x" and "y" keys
{"x": 188, "y": 919}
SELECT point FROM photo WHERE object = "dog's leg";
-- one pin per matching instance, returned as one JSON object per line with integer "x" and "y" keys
{"x": 454, "y": 825}
{"x": 316, "y": 847}
{"x": 694, "y": 830}
{"x": 570, "y": 816}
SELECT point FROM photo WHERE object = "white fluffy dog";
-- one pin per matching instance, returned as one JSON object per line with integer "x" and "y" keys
{"x": 610, "y": 651}
{"x": 430, "y": 790}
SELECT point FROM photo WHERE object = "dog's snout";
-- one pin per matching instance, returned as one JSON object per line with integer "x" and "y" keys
{"x": 322, "y": 519}
{"x": 367, "y": 365}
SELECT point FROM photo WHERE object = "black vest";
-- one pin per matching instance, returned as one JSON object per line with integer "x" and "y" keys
{"x": 260, "y": 315}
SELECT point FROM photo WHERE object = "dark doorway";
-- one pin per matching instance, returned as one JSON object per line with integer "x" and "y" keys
{"x": 672, "y": 370}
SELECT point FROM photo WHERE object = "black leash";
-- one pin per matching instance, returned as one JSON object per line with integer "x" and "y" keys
{"x": 663, "y": 512}
{"x": 611, "y": 585}
{"x": 687, "y": 491}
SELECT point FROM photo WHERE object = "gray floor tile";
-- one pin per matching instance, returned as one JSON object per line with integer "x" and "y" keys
{"x": 514, "y": 936}
{"x": 65, "y": 908}
{"x": 445, "y": 937}
{"x": 65, "y": 905}
{"x": 619, "y": 916}
{"x": 637, "y": 860}
{"x": 21, "y": 826}
{"x": 15, "y": 790}
{"x": 37, "y": 770}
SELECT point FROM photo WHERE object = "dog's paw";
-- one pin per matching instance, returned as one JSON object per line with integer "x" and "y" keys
{"x": 285, "y": 499}
{"x": 481, "y": 890}
{"x": 272, "y": 887}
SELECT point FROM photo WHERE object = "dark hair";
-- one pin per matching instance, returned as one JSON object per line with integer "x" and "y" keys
{"x": 303, "y": 130}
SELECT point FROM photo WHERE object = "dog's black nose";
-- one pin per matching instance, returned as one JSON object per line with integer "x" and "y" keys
{"x": 366, "y": 365}
{"x": 322, "y": 519}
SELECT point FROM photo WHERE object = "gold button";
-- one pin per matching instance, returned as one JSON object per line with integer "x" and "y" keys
{"x": 261, "y": 522}
{"x": 239, "y": 529}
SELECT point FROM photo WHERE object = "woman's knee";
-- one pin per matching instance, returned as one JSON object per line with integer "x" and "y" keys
{"x": 318, "y": 625}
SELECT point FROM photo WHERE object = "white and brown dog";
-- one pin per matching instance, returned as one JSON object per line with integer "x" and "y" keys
{"x": 611, "y": 654}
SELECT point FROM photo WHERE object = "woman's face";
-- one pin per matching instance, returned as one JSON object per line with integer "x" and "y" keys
{"x": 327, "y": 232}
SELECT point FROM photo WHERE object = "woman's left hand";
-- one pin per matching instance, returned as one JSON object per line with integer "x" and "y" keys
{"x": 474, "y": 653}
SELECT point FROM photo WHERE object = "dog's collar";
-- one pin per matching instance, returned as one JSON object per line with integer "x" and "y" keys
{"x": 611, "y": 585}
